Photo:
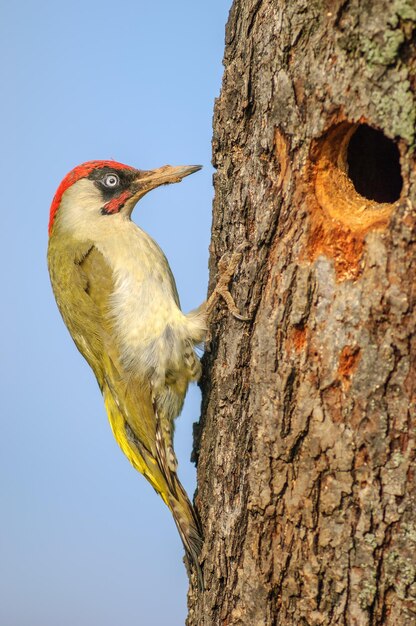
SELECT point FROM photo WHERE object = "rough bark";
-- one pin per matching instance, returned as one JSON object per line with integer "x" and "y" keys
{"x": 306, "y": 447}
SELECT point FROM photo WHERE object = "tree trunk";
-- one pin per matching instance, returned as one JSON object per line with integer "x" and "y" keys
{"x": 306, "y": 447}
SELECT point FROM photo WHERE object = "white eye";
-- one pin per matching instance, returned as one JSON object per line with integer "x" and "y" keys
{"x": 111, "y": 180}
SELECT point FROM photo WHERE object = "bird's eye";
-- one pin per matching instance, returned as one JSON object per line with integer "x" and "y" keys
{"x": 111, "y": 180}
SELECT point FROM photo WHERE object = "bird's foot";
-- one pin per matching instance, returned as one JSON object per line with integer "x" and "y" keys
{"x": 226, "y": 268}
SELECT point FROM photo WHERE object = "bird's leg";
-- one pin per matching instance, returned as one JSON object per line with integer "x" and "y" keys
{"x": 226, "y": 269}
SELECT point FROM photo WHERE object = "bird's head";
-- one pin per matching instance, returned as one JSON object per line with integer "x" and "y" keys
{"x": 97, "y": 190}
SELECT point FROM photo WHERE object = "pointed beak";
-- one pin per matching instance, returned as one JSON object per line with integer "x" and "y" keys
{"x": 164, "y": 176}
{"x": 148, "y": 180}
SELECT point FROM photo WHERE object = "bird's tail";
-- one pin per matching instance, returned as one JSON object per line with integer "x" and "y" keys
{"x": 168, "y": 487}
{"x": 188, "y": 526}
{"x": 184, "y": 514}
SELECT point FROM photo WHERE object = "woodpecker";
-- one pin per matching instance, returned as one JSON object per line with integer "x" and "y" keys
{"x": 117, "y": 296}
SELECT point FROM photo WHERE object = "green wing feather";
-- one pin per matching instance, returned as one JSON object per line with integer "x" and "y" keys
{"x": 84, "y": 273}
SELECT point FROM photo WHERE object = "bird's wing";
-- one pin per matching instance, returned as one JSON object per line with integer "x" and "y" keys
{"x": 81, "y": 269}
{"x": 80, "y": 312}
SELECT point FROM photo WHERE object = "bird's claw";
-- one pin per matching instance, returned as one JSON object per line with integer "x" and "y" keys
{"x": 226, "y": 268}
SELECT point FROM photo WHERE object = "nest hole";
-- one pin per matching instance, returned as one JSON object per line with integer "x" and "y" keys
{"x": 373, "y": 164}
{"x": 357, "y": 175}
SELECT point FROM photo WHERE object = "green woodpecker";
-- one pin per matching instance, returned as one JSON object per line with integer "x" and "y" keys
{"x": 117, "y": 296}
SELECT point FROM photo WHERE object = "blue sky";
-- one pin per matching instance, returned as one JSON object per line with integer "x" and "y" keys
{"x": 84, "y": 539}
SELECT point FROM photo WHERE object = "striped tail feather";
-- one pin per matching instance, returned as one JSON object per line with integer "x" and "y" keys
{"x": 168, "y": 487}
{"x": 188, "y": 526}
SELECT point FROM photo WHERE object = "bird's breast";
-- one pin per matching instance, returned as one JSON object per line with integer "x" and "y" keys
{"x": 148, "y": 323}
